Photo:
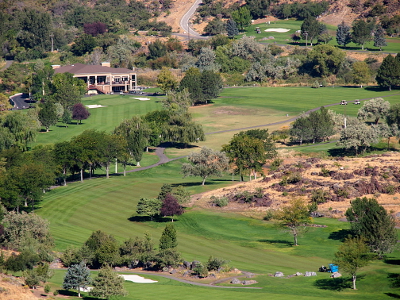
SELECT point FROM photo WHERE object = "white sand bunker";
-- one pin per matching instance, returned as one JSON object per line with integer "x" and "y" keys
{"x": 137, "y": 279}
{"x": 94, "y": 106}
{"x": 277, "y": 30}
{"x": 142, "y": 99}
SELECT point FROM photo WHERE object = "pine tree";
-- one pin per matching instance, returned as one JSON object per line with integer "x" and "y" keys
{"x": 379, "y": 37}
{"x": 108, "y": 284}
{"x": 77, "y": 277}
{"x": 389, "y": 72}
{"x": 371, "y": 221}
{"x": 168, "y": 237}
{"x": 343, "y": 36}
{"x": 231, "y": 28}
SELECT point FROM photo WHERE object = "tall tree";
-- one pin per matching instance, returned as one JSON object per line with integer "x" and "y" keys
{"x": 231, "y": 28}
{"x": 325, "y": 60}
{"x": 108, "y": 284}
{"x": 393, "y": 115}
{"x": 206, "y": 163}
{"x": 356, "y": 136}
{"x": 361, "y": 72}
{"x": 80, "y": 112}
{"x": 211, "y": 85}
{"x": 242, "y": 17}
{"x": 166, "y": 80}
{"x": 389, "y": 72}
{"x": 67, "y": 90}
{"x": 113, "y": 146}
{"x": 157, "y": 49}
{"x": 48, "y": 115}
{"x": 371, "y": 221}
{"x": 168, "y": 237}
{"x": 206, "y": 60}
{"x": 362, "y": 32}
{"x": 375, "y": 108}
{"x": 149, "y": 207}
{"x": 321, "y": 124}
{"x": 170, "y": 207}
{"x": 353, "y": 254}
{"x": 137, "y": 134}
{"x": 192, "y": 82}
{"x": 258, "y": 8}
{"x": 379, "y": 37}
{"x": 310, "y": 29}
{"x": 343, "y": 35}
{"x": 246, "y": 153}
{"x": 77, "y": 278}
{"x": 295, "y": 217}
{"x": 5, "y": 104}
{"x": 265, "y": 137}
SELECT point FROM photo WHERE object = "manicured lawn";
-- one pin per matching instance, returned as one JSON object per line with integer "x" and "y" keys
{"x": 393, "y": 44}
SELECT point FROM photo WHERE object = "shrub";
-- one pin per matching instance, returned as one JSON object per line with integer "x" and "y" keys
{"x": 47, "y": 288}
{"x": 56, "y": 292}
{"x": 259, "y": 192}
{"x": 276, "y": 164}
{"x": 269, "y": 215}
{"x": 219, "y": 201}
{"x": 342, "y": 193}
{"x": 390, "y": 189}
{"x": 325, "y": 172}
{"x": 200, "y": 270}
{"x": 319, "y": 196}
{"x": 246, "y": 196}
{"x": 214, "y": 263}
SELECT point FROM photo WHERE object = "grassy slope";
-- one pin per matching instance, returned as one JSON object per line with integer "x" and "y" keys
{"x": 78, "y": 209}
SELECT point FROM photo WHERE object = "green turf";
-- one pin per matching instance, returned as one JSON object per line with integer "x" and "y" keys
{"x": 393, "y": 44}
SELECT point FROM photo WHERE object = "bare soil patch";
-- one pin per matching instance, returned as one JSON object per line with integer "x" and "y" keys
{"x": 230, "y": 110}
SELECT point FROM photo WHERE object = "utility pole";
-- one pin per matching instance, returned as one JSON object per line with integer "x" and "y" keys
{"x": 306, "y": 34}
{"x": 52, "y": 42}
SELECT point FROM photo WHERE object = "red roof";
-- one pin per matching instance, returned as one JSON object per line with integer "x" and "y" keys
{"x": 77, "y": 69}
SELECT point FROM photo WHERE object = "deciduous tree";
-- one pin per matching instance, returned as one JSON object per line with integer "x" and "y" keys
{"x": 242, "y": 17}
{"x": 149, "y": 207}
{"x": 361, "y": 32}
{"x": 371, "y": 221}
{"x": 170, "y": 207}
{"x": 379, "y": 37}
{"x": 325, "y": 59}
{"x": 295, "y": 217}
{"x": 80, "y": 112}
{"x": 375, "y": 108}
{"x": 356, "y": 136}
{"x": 205, "y": 163}
{"x": 353, "y": 254}
{"x": 48, "y": 115}
{"x": 166, "y": 80}
{"x": 361, "y": 72}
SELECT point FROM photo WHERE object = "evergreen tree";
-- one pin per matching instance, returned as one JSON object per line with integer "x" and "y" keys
{"x": 343, "y": 35}
{"x": 371, "y": 221}
{"x": 192, "y": 82}
{"x": 379, "y": 37}
{"x": 48, "y": 115}
{"x": 168, "y": 237}
{"x": 389, "y": 72}
{"x": 258, "y": 8}
{"x": 108, "y": 284}
{"x": 165, "y": 189}
{"x": 231, "y": 28}
{"x": 77, "y": 278}
{"x": 211, "y": 85}
{"x": 242, "y": 17}
{"x": 361, "y": 32}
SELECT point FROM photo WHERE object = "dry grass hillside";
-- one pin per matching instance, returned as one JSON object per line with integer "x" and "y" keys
{"x": 342, "y": 179}
{"x": 12, "y": 288}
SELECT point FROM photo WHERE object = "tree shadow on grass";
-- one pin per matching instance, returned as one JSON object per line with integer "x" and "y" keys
{"x": 339, "y": 152}
{"x": 396, "y": 296}
{"x": 177, "y": 145}
{"x": 279, "y": 243}
{"x": 157, "y": 219}
{"x": 394, "y": 279}
{"x": 333, "y": 284}
{"x": 198, "y": 183}
{"x": 392, "y": 261}
{"x": 340, "y": 235}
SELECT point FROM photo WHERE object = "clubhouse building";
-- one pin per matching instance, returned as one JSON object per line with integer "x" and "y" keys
{"x": 101, "y": 79}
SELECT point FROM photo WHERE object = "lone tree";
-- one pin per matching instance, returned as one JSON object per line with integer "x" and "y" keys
{"x": 361, "y": 72}
{"x": 374, "y": 108}
{"x": 48, "y": 115}
{"x": 295, "y": 217}
{"x": 149, "y": 207}
{"x": 108, "y": 284}
{"x": 389, "y": 72}
{"x": 353, "y": 254}
{"x": 379, "y": 37}
{"x": 77, "y": 278}
{"x": 356, "y": 136}
{"x": 231, "y": 28}
{"x": 343, "y": 35}
{"x": 168, "y": 237}
{"x": 371, "y": 221}
{"x": 362, "y": 32}
{"x": 80, "y": 112}
{"x": 393, "y": 115}
{"x": 170, "y": 207}
{"x": 206, "y": 163}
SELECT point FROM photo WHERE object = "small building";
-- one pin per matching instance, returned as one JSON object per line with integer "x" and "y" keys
{"x": 101, "y": 78}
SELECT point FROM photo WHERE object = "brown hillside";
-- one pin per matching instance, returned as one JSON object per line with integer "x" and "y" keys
{"x": 343, "y": 179}
{"x": 12, "y": 288}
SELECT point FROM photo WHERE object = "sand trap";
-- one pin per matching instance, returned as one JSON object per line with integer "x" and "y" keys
{"x": 142, "y": 99}
{"x": 137, "y": 279}
{"x": 277, "y": 30}
{"x": 94, "y": 106}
